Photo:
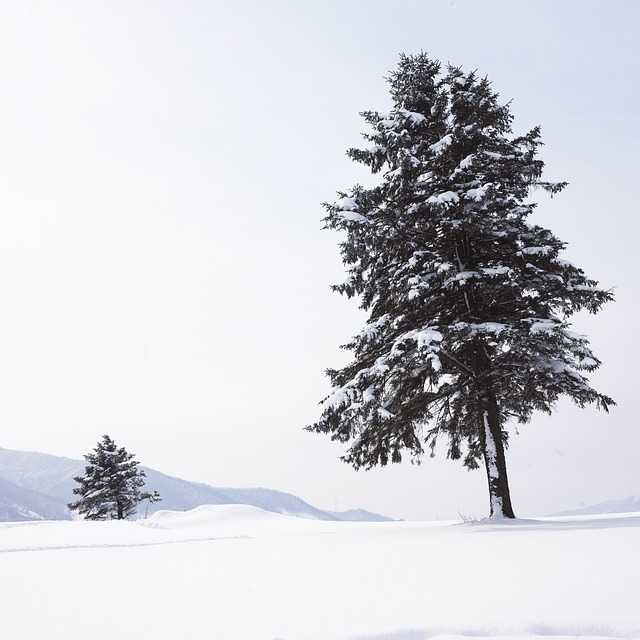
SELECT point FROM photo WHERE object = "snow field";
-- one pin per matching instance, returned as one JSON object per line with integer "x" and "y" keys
{"x": 233, "y": 572}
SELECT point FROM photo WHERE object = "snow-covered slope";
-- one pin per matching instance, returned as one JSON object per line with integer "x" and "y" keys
{"x": 37, "y": 486}
{"x": 629, "y": 505}
{"x": 235, "y": 572}
{"x": 359, "y": 515}
{"x": 41, "y": 472}
{"x": 18, "y": 503}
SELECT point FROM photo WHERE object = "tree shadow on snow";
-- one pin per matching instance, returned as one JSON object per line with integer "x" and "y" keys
{"x": 554, "y": 524}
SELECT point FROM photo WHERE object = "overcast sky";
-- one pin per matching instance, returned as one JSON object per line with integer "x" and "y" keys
{"x": 163, "y": 273}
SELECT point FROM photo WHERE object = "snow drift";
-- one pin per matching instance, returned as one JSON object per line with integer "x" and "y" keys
{"x": 235, "y": 572}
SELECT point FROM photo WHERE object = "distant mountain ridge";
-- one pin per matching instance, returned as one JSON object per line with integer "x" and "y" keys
{"x": 37, "y": 486}
{"x": 628, "y": 505}
{"x": 18, "y": 503}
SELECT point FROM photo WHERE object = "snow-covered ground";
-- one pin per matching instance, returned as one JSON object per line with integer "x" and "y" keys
{"x": 235, "y": 572}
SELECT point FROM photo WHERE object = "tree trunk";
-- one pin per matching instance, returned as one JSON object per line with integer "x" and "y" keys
{"x": 494, "y": 460}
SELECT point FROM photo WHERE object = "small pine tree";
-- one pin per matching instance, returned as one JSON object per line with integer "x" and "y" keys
{"x": 111, "y": 487}
{"x": 468, "y": 301}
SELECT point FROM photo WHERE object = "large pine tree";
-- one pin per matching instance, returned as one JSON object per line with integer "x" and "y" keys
{"x": 111, "y": 487}
{"x": 468, "y": 300}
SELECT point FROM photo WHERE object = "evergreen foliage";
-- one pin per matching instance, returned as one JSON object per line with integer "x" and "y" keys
{"x": 468, "y": 301}
{"x": 111, "y": 487}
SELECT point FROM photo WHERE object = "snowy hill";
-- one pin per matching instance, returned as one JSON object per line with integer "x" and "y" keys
{"x": 629, "y": 505}
{"x": 241, "y": 573}
{"x": 18, "y": 504}
{"x": 37, "y": 486}
{"x": 359, "y": 515}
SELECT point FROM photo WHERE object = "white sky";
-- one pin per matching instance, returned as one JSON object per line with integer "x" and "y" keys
{"x": 163, "y": 276}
